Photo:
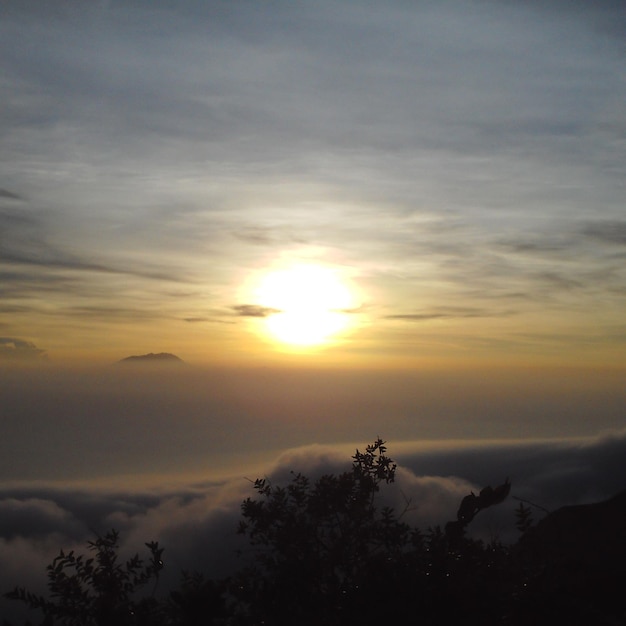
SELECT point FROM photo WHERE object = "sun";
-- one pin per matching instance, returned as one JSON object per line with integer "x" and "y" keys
{"x": 307, "y": 304}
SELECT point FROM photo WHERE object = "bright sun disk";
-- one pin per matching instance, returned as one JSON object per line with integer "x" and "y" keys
{"x": 311, "y": 303}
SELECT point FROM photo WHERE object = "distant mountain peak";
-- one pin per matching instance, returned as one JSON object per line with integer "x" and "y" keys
{"x": 161, "y": 357}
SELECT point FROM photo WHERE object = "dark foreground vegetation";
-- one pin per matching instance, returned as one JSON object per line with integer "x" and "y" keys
{"x": 325, "y": 553}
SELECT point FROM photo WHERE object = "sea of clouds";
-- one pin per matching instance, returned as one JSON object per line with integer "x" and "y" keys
{"x": 196, "y": 522}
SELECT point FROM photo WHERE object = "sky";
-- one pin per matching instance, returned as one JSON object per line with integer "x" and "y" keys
{"x": 459, "y": 164}
{"x": 348, "y": 219}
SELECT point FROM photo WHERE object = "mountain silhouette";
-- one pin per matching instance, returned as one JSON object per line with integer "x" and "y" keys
{"x": 594, "y": 534}
{"x": 581, "y": 554}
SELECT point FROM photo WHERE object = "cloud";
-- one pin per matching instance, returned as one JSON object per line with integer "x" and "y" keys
{"x": 266, "y": 236}
{"x": 609, "y": 231}
{"x": 254, "y": 310}
{"x": 419, "y": 317}
{"x": 256, "y": 236}
{"x": 29, "y": 242}
{"x": 559, "y": 281}
{"x": 32, "y": 517}
{"x": 5, "y": 193}
{"x": 48, "y": 257}
{"x": 552, "y": 473}
{"x": 19, "y": 349}
{"x": 215, "y": 319}
{"x": 566, "y": 240}
{"x": 24, "y": 560}
{"x": 538, "y": 245}
{"x": 448, "y": 313}
{"x": 20, "y": 283}
{"x": 112, "y": 312}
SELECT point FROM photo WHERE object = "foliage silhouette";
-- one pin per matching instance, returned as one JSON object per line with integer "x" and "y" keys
{"x": 524, "y": 518}
{"x": 317, "y": 542}
{"x": 326, "y": 553}
{"x": 198, "y": 602}
{"x": 98, "y": 590}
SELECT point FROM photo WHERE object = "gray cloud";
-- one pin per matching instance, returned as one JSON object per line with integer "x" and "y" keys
{"x": 215, "y": 319}
{"x": 24, "y": 243}
{"x": 419, "y": 317}
{"x": 448, "y": 313}
{"x": 267, "y": 236}
{"x": 32, "y": 518}
{"x": 559, "y": 281}
{"x": 538, "y": 245}
{"x": 5, "y": 193}
{"x": 47, "y": 257}
{"x": 19, "y": 283}
{"x": 254, "y": 310}
{"x": 256, "y": 236}
{"x": 111, "y": 313}
{"x": 239, "y": 35}
{"x": 611, "y": 232}
{"x": 19, "y": 349}
{"x": 551, "y": 473}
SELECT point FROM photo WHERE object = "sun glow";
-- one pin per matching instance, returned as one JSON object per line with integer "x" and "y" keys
{"x": 306, "y": 305}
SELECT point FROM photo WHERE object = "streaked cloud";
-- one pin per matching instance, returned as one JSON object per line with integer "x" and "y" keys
{"x": 448, "y": 313}
{"x": 20, "y": 349}
{"x": 5, "y": 193}
{"x": 253, "y": 310}
{"x": 612, "y": 232}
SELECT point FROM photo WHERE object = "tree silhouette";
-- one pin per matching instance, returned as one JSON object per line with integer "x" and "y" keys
{"x": 317, "y": 542}
{"x": 326, "y": 553}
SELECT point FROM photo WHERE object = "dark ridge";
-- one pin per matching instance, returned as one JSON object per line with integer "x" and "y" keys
{"x": 161, "y": 357}
{"x": 580, "y": 552}
{"x": 594, "y": 533}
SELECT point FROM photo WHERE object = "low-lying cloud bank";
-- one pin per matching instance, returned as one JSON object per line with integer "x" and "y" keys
{"x": 196, "y": 523}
